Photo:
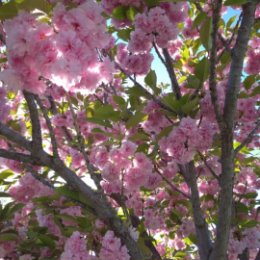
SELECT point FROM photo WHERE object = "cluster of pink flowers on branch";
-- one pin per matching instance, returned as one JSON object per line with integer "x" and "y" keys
{"x": 65, "y": 53}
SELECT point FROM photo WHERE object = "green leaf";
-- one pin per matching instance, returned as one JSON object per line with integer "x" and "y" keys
{"x": 8, "y": 10}
{"x": 74, "y": 101}
{"x": 202, "y": 69}
{"x": 251, "y": 195}
{"x": 47, "y": 240}
{"x": 235, "y": 2}
{"x": 256, "y": 91}
{"x": 231, "y": 21}
{"x": 84, "y": 223}
{"x": 198, "y": 20}
{"x": 193, "y": 238}
{"x": 4, "y": 195}
{"x": 65, "y": 191}
{"x": 120, "y": 12}
{"x": 193, "y": 82}
{"x": 136, "y": 119}
{"x": 99, "y": 122}
{"x": 5, "y": 174}
{"x": 172, "y": 102}
{"x": 130, "y": 14}
{"x": 3, "y": 60}
{"x": 249, "y": 223}
{"x": 107, "y": 112}
{"x": 165, "y": 132}
{"x": 241, "y": 208}
{"x": 143, "y": 148}
{"x": 8, "y": 237}
{"x": 151, "y": 81}
{"x": 249, "y": 81}
{"x": 225, "y": 58}
{"x": 124, "y": 34}
{"x": 190, "y": 106}
{"x": 136, "y": 91}
{"x": 120, "y": 101}
{"x": 139, "y": 137}
{"x": 205, "y": 31}
{"x": 152, "y": 3}
{"x": 30, "y": 5}
{"x": 144, "y": 249}
{"x": 99, "y": 131}
{"x": 14, "y": 208}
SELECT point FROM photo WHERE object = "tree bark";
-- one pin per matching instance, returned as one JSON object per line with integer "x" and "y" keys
{"x": 227, "y": 157}
{"x": 202, "y": 232}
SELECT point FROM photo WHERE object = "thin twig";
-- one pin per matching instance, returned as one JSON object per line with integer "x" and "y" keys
{"x": 207, "y": 165}
{"x": 248, "y": 139}
{"x": 159, "y": 54}
{"x": 171, "y": 185}
{"x": 50, "y": 127}
{"x": 91, "y": 168}
{"x": 227, "y": 43}
{"x": 146, "y": 92}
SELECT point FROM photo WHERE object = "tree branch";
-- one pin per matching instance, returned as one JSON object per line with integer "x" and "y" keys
{"x": 207, "y": 165}
{"x": 50, "y": 127}
{"x": 34, "y": 116}
{"x": 171, "y": 185}
{"x": 227, "y": 131}
{"x": 20, "y": 157}
{"x": 204, "y": 242}
{"x": 213, "y": 63}
{"x": 227, "y": 43}
{"x": 81, "y": 146}
{"x": 238, "y": 56}
{"x": 146, "y": 92}
{"x": 159, "y": 54}
{"x": 174, "y": 83}
{"x": 248, "y": 139}
{"x": 15, "y": 137}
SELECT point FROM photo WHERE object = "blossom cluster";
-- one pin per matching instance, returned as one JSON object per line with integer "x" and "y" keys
{"x": 28, "y": 188}
{"x": 159, "y": 25}
{"x": 124, "y": 170}
{"x": 65, "y": 53}
{"x": 183, "y": 142}
{"x": 112, "y": 249}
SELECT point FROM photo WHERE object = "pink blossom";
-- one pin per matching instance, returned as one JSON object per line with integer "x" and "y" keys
{"x": 128, "y": 148}
{"x": 75, "y": 248}
{"x": 178, "y": 243}
{"x": 112, "y": 248}
{"x": 135, "y": 178}
{"x": 140, "y": 42}
{"x": 28, "y": 188}
{"x": 136, "y": 63}
{"x": 26, "y": 257}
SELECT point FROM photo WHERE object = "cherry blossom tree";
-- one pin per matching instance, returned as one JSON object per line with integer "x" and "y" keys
{"x": 102, "y": 161}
